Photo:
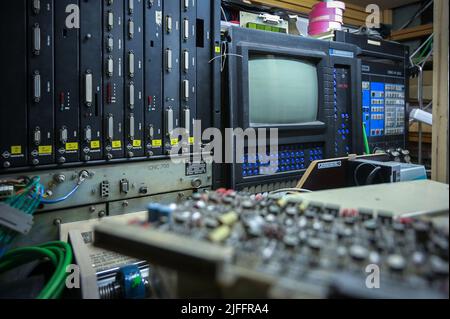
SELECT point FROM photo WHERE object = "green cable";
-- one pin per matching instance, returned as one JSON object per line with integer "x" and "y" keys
{"x": 57, "y": 284}
{"x": 53, "y": 283}
{"x": 425, "y": 49}
{"x": 26, "y": 250}
{"x": 366, "y": 141}
{"x": 24, "y": 256}
{"x": 59, "y": 253}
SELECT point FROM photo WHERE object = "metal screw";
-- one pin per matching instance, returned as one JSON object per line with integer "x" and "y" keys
{"x": 59, "y": 178}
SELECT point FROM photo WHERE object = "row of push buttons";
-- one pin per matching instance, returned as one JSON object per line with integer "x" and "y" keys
{"x": 289, "y": 159}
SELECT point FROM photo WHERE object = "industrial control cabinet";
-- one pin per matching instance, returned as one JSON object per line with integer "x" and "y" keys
{"x": 385, "y": 83}
{"x": 101, "y": 81}
{"x": 96, "y": 87}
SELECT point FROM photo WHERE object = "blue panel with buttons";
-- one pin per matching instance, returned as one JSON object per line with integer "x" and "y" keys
{"x": 366, "y": 106}
{"x": 290, "y": 158}
{"x": 377, "y": 110}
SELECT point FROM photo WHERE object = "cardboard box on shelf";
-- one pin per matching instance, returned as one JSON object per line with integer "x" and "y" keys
{"x": 428, "y": 78}
{"x": 427, "y": 92}
{"x": 414, "y": 128}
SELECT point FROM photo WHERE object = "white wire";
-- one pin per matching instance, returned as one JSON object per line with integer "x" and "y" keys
{"x": 224, "y": 56}
{"x": 224, "y": 15}
{"x": 422, "y": 63}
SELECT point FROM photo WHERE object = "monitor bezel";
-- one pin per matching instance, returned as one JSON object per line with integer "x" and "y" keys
{"x": 246, "y": 49}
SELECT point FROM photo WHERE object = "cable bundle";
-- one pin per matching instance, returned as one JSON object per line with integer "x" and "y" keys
{"x": 26, "y": 200}
{"x": 30, "y": 193}
{"x": 423, "y": 52}
{"x": 58, "y": 253}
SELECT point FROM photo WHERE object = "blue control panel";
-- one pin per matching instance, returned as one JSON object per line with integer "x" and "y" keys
{"x": 289, "y": 158}
{"x": 377, "y": 109}
{"x": 383, "y": 108}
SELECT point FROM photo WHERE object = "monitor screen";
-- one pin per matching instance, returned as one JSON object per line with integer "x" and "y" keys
{"x": 282, "y": 90}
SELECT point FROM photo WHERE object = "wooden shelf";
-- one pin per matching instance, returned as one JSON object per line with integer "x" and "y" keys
{"x": 412, "y": 33}
{"x": 426, "y": 138}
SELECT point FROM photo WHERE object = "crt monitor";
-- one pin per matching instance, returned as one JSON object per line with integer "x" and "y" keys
{"x": 282, "y": 90}
{"x": 303, "y": 87}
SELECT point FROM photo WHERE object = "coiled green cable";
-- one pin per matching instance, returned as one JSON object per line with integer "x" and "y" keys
{"x": 58, "y": 253}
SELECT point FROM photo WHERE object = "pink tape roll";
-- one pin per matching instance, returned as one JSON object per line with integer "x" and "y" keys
{"x": 321, "y": 27}
{"x": 331, "y": 4}
{"x": 327, "y": 17}
{"x": 325, "y": 11}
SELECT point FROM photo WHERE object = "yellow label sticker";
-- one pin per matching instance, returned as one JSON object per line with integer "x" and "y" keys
{"x": 116, "y": 144}
{"x": 192, "y": 140}
{"x": 72, "y": 147}
{"x": 16, "y": 150}
{"x": 218, "y": 50}
{"x": 174, "y": 142}
{"x": 45, "y": 150}
{"x": 137, "y": 143}
{"x": 95, "y": 144}
{"x": 157, "y": 143}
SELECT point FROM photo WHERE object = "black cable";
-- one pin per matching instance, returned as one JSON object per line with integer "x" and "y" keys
{"x": 369, "y": 180}
{"x": 417, "y": 14}
{"x": 355, "y": 173}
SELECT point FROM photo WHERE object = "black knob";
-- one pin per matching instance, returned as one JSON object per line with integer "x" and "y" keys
{"x": 371, "y": 225}
{"x": 396, "y": 262}
{"x": 290, "y": 240}
{"x": 422, "y": 230}
{"x": 328, "y": 218}
{"x": 274, "y": 209}
{"x": 439, "y": 267}
{"x": 315, "y": 244}
{"x": 359, "y": 253}
{"x": 291, "y": 211}
{"x": 248, "y": 204}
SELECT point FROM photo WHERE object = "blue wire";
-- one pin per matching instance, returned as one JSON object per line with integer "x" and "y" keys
{"x": 59, "y": 200}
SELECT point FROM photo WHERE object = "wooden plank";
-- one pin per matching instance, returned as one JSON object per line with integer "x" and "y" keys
{"x": 421, "y": 27}
{"x": 440, "y": 92}
{"x": 387, "y": 16}
{"x": 426, "y": 138}
{"x": 412, "y": 33}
